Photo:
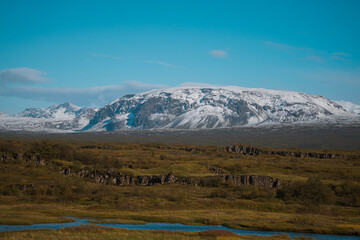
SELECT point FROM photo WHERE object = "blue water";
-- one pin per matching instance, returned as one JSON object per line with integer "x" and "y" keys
{"x": 168, "y": 227}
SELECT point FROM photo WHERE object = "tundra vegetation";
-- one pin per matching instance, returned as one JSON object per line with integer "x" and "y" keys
{"x": 241, "y": 187}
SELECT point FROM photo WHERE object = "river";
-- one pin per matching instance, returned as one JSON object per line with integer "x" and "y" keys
{"x": 169, "y": 227}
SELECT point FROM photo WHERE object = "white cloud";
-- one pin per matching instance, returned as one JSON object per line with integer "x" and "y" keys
{"x": 314, "y": 58}
{"x": 161, "y": 63}
{"x": 312, "y": 54}
{"x": 22, "y": 75}
{"x": 287, "y": 47}
{"x": 342, "y": 56}
{"x": 94, "y": 96}
{"x": 218, "y": 53}
{"x": 105, "y": 56}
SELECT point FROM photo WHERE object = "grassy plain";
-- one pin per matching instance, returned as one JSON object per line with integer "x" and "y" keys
{"x": 99, "y": 233}
{"x": 321, "y": 195}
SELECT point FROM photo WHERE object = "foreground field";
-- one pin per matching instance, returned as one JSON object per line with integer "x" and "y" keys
{"x": 99, "y": 233}
{"x": 43, "y": 181}
{"x": 332, "y": 137}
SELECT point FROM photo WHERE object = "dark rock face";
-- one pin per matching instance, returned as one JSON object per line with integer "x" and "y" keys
{"x": 237, "y": 180}
{"x": 261, "y": 181}
{"x": 117, "y": 178}
{"x": 253, "y": 151}
{"x": 33, "y": 159}
{"x": 97, "y": 147}
{"x": 24, "y": 187}
{"x": 216, "y": 170}
{"x": 5, "y": 157}
{"x": 111, "y": 177}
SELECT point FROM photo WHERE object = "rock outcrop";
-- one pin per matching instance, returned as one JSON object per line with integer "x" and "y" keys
{"x": 5, "y": 157}
{"x": 253, "y": 151}
{"x": 261, "y": 181}
{"x": 216, "y": 170}
{"x": 30, "y": 159}
{"x": 117, "y": 178}
{"x": 97, "y": 147}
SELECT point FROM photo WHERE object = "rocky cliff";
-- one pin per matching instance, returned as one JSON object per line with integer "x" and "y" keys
{"x": 253, "y": 151}
{"x": 117, "y": 178}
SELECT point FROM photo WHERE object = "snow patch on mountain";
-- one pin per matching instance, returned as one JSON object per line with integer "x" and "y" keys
{"x": 65, "y": 117}
{"x": 3, "y": 114}
{"x": 189, "y": 108}
{"x": 350, "y": 107}
{"x": 212, "y": 107}
{"x": 64, "y": 111}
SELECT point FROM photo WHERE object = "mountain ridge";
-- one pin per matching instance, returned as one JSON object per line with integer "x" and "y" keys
{"x": 211, "y": 107}
{"x": 66, "y": 110}
{"x": 188, "y": 108}
{"x": 350, "y": 107}
{"x": 56, "y": 118}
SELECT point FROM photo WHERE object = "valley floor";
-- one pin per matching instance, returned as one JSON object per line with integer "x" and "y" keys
{"x": 100, "y": 233}
{"x": 327, "y": 136}
{"x": 42, "y": 181}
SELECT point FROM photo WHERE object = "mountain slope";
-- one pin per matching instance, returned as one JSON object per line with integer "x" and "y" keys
{"x": 350, "y": 107}
{"x": 2, "y": 114}
{"x": 56, "y": 118}
{"x": 188, "y": 108}
{"x": 60, "y": 111}
{"x": 216, "y": 107}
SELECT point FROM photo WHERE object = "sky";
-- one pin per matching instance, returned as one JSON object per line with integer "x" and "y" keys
{"x": 92, "y": 52}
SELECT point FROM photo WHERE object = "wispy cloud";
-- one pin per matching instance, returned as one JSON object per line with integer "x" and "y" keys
{"x": 342, "y": 56}
{"x": 197, "y": 84}
{"x": 105, "y": 56}
{"x": 310, "y": 54}
{"x": 314, "y": 58}
{"x": 350, "y": 78}
{"x": 161, "y": 63}
{"x": 95, "y": 96}
{"x": 287, "y": 47}
{"x": 218, "y": 53}
{"x": 22, "y": 75}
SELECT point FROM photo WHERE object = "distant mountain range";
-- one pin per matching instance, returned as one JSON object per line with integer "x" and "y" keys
{"x": 56, "y": 118}
{"x": 188, "y": 108}
{"x": 61, "y": 111}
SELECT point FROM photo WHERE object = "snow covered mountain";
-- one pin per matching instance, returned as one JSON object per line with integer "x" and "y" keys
{"x": 350, "y": 107}
{"x": 59, "y": 111}
{"x": 188, "y": 108}
{"x": 212, "y": 107}
{"x": 57, "y": 118}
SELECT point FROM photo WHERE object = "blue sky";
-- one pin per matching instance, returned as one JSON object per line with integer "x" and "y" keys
{"x": 92, "y": 52}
